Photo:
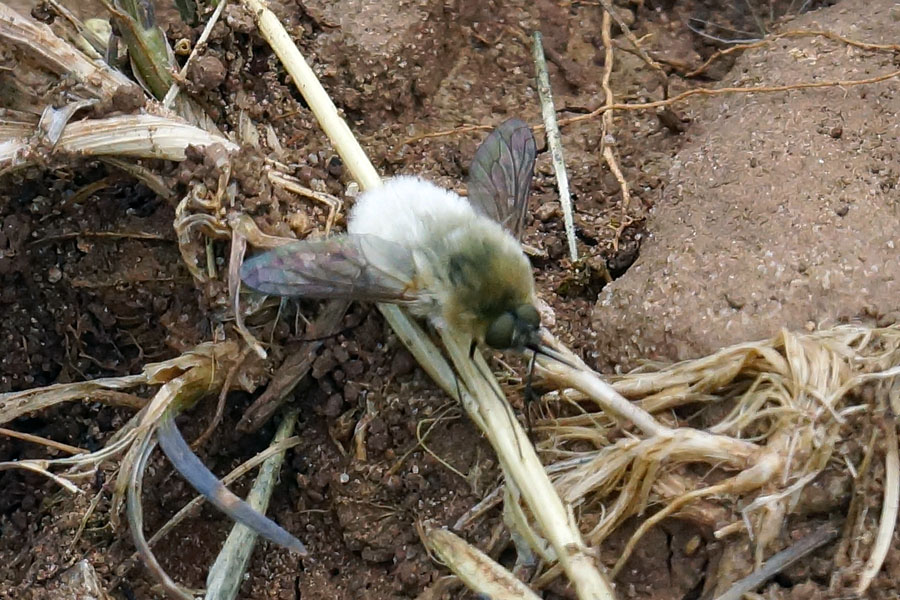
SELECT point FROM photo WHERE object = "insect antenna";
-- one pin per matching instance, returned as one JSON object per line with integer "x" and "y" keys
{"x": 543, "y": 350}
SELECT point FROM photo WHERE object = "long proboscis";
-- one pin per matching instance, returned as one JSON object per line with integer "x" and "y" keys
{"x": 544, "y": 350}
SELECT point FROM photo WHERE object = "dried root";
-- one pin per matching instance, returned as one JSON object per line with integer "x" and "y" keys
{"x": 790, "y": 400}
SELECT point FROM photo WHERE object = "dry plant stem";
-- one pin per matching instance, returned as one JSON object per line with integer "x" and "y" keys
{"x": 778, "y": 563}
{"x": 425, "y": 352}
{"x": 149, "y": 178}
{"x": 165, "y": 397}
{"x": 762, "y": 470}
{"x": 16, "y": 404}
{"x": 488, "y": 408}
{"x": 554, "y": 141}
{"x": 855, "y": 511}
{"x": 603, "y": 394}
{"x": 763, "y": 89}
{"x": 527, "y": 541}
{"x": 319, "y": 102}
{"x": 200, "y": 372}
{"x": 244, "y": 225}
{"x": 136, "y": 523}
{"x": 608, "y": 8}
{"x": 236, "y": 258}
{"x": 476, "y": 569}
{"x": 58, "y": 55}
{"x": 138, "y": 136}
{"x": 36, "y": 439}
{"x": 889, "y": 507}
{"x": 88, "y": 35}
{"x": 227, "y": 572}
{"x": 40, "y": 467}
{"x": 470, "y": 128}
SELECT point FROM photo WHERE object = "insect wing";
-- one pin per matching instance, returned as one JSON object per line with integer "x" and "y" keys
{"x": 501, "y": 173}
{"x": 357, "y": 267}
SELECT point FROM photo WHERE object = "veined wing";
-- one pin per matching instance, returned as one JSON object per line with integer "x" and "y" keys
{"x": 357, "y": 267}
{"x": 500, "y": 175}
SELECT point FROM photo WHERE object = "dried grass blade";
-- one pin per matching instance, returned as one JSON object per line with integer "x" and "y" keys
{"x": 58, "y": 55}
{"x": 137, "y": 136}
{"x": 889, "y": 507}
{"x": 481, "y": 574}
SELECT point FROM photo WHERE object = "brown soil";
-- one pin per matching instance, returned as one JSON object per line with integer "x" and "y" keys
{"x": 78, "y": 305}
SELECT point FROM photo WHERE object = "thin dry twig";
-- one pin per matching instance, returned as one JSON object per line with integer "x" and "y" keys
{"x": 36, "y": 439}
{"x": 763, "y": 89}
{"x": 554, "y": 141}
{"x": 638, "y": 106}
{"x": 201, "y": 42}
{"x": 638, "y": 49}
{"x": 448, "y": 132}
{"x": 607, "y": 137}
{"x": 794, "y": 33}
{"x": 136, "y": 524}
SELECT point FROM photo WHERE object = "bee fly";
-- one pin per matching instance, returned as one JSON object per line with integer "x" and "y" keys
{"x": 457, "y": 262}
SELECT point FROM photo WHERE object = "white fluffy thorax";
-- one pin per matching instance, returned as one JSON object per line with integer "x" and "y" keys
{"x": 407, "y": 210}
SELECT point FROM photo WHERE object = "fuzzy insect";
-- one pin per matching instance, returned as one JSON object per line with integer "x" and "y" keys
{"x": 455, "y": 261}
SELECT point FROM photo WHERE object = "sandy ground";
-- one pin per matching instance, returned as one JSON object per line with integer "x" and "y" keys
{"x": 762, "y": 212}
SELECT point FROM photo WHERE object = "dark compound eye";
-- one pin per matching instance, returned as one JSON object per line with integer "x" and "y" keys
{"x": 529, "y": 315}
{"x": 499, "y": 334}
